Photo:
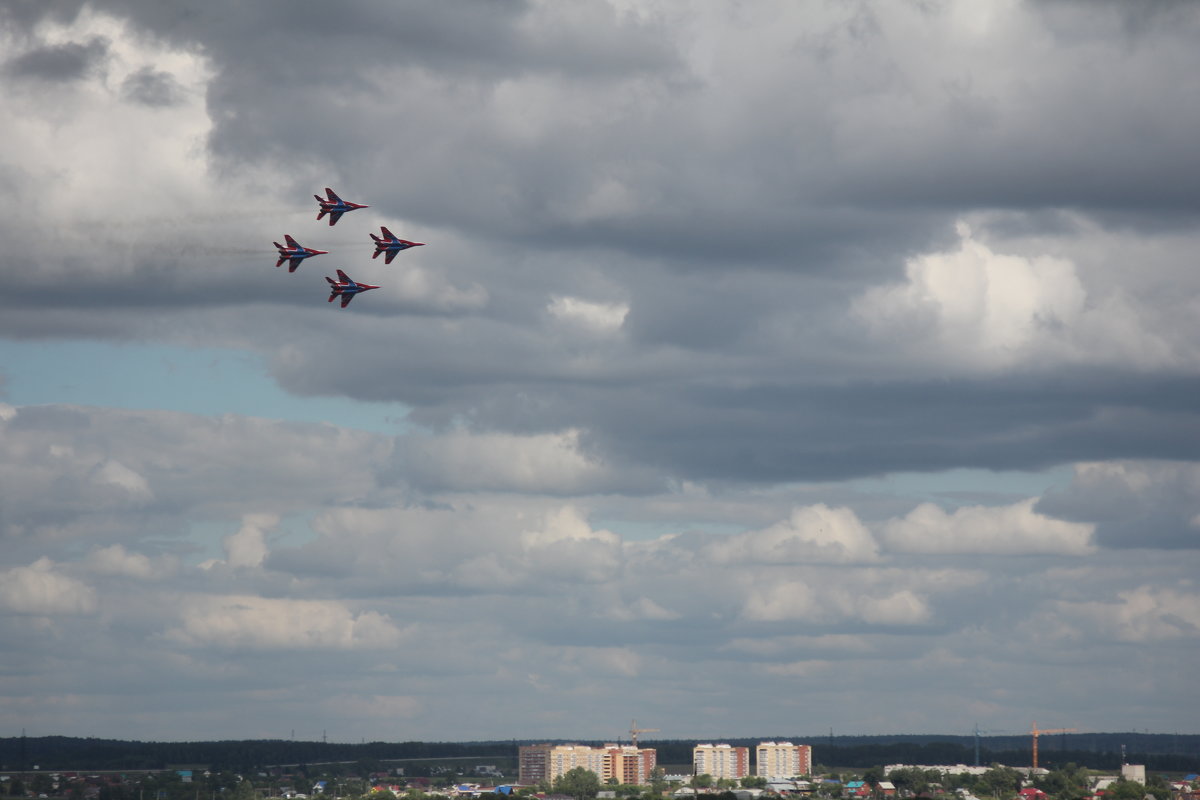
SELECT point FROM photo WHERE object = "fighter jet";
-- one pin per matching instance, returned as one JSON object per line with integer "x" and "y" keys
{"x": 294, "y": 252}
{"x": 389, "y": 243}
{"x": 346, "y": 288}
{"x": 335, "y": 206}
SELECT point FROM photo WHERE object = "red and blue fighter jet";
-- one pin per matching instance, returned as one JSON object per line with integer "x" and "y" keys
{"x": 294, "y": 252}
{"x": 391, "y": 244}
{"x": 335, "y": 206}
{"x": 346, "y": 288}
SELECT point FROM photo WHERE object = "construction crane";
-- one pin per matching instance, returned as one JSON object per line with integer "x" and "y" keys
{"x": 634, "y": 730}
{"x": 1036, "y": 733}
{"x": 977, "y": 732}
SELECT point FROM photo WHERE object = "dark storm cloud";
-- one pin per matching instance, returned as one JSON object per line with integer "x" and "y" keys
{"x": 1134, "y": 505}
{"x": 24, "y": 15}
{"x": 152, "y": 87}
{"x": 63, "y": 63}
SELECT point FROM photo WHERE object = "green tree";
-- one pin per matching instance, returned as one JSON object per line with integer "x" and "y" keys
{"x": 1001, "y": 781}
{"x": 658, "y": 781}
{"x": 754, "y": 782}
{"x": 579, "y": 783}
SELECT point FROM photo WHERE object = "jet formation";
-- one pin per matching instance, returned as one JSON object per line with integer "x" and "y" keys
{"x": 344, "y": 287}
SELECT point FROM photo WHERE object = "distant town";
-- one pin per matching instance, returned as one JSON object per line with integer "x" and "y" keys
{"x": 557, "y": 771}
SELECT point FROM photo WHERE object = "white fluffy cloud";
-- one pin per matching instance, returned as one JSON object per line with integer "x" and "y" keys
{"x": 812, "y": 535}
{"x": 245, "y": 622}
{"x": 983, "y": 311}
{"x": 565, "y": 547}
{"x": 552, "y": 463}
{"x": 43, "y": 588}
{"x": 117, "y": 560}
{"x": 1147, "y": 614}
{"x": 1007, "y": 530}
{"x": 248, "y": 547}
{"x": 597, "y": 317}
{"x": 824, "y": 604}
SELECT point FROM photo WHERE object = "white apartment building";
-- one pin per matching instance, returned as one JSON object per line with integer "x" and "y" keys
{"x": 782, "y": 760}
{"x": 721, "y": 761}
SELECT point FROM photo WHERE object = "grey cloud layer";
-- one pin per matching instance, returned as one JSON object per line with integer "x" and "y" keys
{"x": 411, "y": 612}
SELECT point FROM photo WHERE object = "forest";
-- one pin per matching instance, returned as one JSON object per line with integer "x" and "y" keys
{"x": 1161, "y": 752}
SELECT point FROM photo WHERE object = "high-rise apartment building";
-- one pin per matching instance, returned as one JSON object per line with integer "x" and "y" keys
{"x": 533, "y": 763}
{"x": 631, "y": 765}
{"x": 721, "y": 761}
{"x": 547, "y": 762}
{"x": 782, "y": 760}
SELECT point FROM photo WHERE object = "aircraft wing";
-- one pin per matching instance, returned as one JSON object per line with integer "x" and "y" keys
{"x": 287, "y": 237}
{"x": 334, "y": 216}
{"x": 332, "y": 196}
{"x": 388, "y": 234}
{"x": 346, "y": 298}
{"x": 344, "y": 277}
{"x": 390, "y": 255}
{"x": 293, "y": 263}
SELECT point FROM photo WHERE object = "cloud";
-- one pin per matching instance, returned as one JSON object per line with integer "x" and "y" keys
{"x": 1133, "y": 503}
{"x": 154, "y": 88}
{"x": 596, "y": 317}
{"x": 794, "y": 601}
{"x": 41, "y": 588}
{"x": 69, "y": 61}
{"x": 812, "y": 535}
{"x": 566, "y": 548}
{"x": 248, "y": 547}
{"x": 1145, "y": 615}
{"x": 984, "y": 310}
{"x": 1007, "y": 530}
{"x": 553, "y": 463}
{"x": 244, "y": 622}
{"x": 118, "y": 561}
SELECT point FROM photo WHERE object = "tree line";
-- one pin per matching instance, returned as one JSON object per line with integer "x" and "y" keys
{"x": 1163, "y": 752}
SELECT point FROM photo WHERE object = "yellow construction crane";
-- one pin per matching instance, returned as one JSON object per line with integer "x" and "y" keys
{"x": 1036, "y": 733}
{"x": 634, "y": 730}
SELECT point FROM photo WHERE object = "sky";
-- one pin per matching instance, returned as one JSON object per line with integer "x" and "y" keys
{"x": 769, "y": 369}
